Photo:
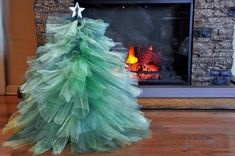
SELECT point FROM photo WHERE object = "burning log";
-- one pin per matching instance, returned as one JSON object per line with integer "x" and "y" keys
{"x": 141, "y": 60}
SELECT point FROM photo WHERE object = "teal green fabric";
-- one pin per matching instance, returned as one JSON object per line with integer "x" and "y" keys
{"x": 77, "y": 92}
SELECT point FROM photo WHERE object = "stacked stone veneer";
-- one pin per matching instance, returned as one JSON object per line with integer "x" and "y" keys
{"x": 213, "y": 33}
{"x": 213, "y": 37}
{"x": 42, "y": 9}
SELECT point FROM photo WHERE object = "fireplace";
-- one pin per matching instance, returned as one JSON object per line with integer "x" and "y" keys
{"x": 212, "y": 41}
{"x": 156, "y": 35}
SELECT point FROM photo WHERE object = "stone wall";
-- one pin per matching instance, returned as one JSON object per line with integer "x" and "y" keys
{"x": 42, "y": 9}
{"x": 213, "y": 33}
{"x": 213, "y": 37}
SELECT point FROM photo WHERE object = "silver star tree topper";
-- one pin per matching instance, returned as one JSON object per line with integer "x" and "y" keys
{"x": 77, "y": 10}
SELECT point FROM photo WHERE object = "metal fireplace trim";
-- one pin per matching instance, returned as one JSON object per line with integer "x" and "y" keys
{"x": 191, "y": 18}
{"x": 132, "y": 1}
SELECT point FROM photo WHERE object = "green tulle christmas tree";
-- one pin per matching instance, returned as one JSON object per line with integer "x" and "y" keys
{"x": 77, "y": 92}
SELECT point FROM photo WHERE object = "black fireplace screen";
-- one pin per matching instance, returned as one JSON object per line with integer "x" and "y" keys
{"x": 156, "y": 36}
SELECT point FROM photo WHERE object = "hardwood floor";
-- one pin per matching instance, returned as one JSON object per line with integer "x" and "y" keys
{"x": 175, "y": 133}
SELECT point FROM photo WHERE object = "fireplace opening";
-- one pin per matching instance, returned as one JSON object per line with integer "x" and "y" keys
{"x": 156, "y": 36}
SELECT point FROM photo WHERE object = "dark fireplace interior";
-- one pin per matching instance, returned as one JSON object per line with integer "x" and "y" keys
{"x": 156, "y": 37}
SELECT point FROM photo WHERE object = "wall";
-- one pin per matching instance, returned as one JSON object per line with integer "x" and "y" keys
{"x": 21, "y": 36}
{"x": 2, "y": 51}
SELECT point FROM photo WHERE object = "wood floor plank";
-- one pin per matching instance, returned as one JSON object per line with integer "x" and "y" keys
{"x": 174, "y": 133}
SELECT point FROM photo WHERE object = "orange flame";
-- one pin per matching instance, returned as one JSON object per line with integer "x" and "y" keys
{"x": 131, "y": 59}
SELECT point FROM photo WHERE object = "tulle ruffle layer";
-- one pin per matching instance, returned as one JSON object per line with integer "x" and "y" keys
{"x": 78, "y": 92}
